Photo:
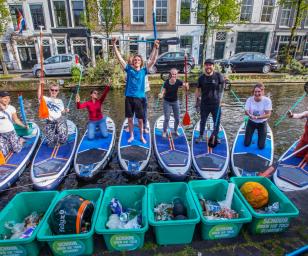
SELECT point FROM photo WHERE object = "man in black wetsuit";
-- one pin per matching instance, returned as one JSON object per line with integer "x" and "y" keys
{"x": 211, "y": 86}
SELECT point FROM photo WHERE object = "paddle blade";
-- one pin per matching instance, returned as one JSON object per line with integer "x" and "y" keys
{"x": 268, "y": 172}
{"x": 2, "y": 158}
{"x": 43, "y": 109}
{"x": 186, "y": 119}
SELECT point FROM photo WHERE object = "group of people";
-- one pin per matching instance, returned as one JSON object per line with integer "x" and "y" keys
{"x": 210, "y": 87}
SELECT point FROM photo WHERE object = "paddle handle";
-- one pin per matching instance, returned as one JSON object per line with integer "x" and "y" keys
{"x": 22, "y": 109}
{"x": 185, "y": 71}
{"x": 294, "y": 153}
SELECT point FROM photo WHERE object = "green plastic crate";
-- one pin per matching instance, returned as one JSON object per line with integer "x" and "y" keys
{"x": 123, "y": 239}
{"x": 172, "y": 231}
{"x": 216, "y": 190}
{"x": 21, "y": 131}
{"x": 21, "y": 206}
{"x": 75, "y": 244}
{"x": 268, "y": 223}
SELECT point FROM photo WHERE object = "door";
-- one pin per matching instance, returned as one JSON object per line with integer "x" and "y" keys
{"x": 244, "y": 63}
{"x": 251, "y": 42}
{"x": 219, "y": 50}
{"x": 52, "y": 66}
{"x": 66, "y": 64}
{"x": 260, "y": 60}
{"x": 27, "y": 56}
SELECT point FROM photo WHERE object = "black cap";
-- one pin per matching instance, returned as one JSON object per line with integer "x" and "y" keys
{"x": 4, "y": 94}
{"x": 209, "y": 61}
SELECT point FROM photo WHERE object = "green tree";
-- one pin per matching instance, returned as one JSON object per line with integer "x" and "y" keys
{"x": 214, "y": 14}
{"x": 4, "y": 20}
{"x": 300, "y": 8}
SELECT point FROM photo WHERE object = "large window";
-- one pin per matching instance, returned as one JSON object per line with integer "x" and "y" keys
{"x": 185, "y": 12}
{"x": 138, "y": 11}
{"x": 200, "y": 19}
{"x": 161, "y": 11}
{"x": 246, "y": 10}
{"x": 60, "y": 13}
{"x": 186, "y": 43}
{"x": 285, "y": 15}
{"x": 15, "y": 10}
{"x": 37, "y": 16}
{"x": 79, "y": 13}
{"x": 267, "y": 10}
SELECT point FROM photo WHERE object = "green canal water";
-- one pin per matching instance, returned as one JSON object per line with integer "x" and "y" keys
{"x": 283, "y": 97}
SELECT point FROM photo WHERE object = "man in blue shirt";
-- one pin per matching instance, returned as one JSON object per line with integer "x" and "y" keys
{"x": 135, "y": 87}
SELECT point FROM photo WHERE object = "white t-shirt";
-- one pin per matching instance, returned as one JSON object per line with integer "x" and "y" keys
{"x": 55, "y": 107}
{"x": 6, "y": 119}
{"x": 258, "y": 108}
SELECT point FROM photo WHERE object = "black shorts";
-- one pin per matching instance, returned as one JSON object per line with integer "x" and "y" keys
{"x": 134, "y": 106}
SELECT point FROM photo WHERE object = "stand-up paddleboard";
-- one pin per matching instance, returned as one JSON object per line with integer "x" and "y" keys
{"x": 291, "y": 173}
{"x": 172, "y": 152}
{"x": 134, "y": 157}
{"x": 210, "y": 163}
{"x": 51, "y": 164}
{"x": 17, "y": 162}
{"x": 95, "y": 154}
{"x": 251, "y": 161}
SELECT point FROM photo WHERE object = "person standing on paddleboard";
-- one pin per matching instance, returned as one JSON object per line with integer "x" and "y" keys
{"x": 96, "y": 118}
{"x": 9, "y": 140}
{"x": 56, "y": 130}
{"x": 258, "y": 108}
{"x": 135, "y": 87}
{"x": 210, "y": 86}
{"x": 170, "y": 95}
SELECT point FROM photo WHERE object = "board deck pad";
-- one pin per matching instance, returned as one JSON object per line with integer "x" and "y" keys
{"x": 298, "y": 177}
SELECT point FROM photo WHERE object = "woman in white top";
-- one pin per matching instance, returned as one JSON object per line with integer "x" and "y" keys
{"x": 9, "y": 141}
{"x": 56, "y": 130}
{"x": 258, "y": 108}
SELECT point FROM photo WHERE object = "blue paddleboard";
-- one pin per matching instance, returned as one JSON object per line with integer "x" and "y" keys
{"x": 134, "y": 157}
{"x": 172, "y": 152}
{"x": 93, "y": 155}
{"x": 210, "y": 163}
{"x": 291, "y": 173}
{"x": 51, "y": 164}
{"x": 17, "y": 162}
{"x": 250, "y": 161}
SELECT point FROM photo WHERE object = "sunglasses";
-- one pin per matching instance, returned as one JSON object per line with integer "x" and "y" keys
{"x": 54, "y": 90}
{"x": 94, "y": 92}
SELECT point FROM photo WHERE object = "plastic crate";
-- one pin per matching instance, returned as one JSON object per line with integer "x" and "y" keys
{"x": 21, "y": 206}
{"x": 21, "y": 131}
{"x": 268, "y": 223}
{"x": 123, "y": 239}
{"x": 74, "y": 244}
{"x": 172, "y": 231}
{"x": 216, "y": 190}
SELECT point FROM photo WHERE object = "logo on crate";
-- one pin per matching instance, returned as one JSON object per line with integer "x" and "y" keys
{"x": 13, "y": 250}
{"x": 68, "y": 248}
{"x": 223, "y": 231}
{"x": 125, "y": 242}
{"x": 272, "y": 225}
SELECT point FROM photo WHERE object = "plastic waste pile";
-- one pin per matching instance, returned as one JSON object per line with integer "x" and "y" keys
{"x": 270, "y": 209}
{"x": 123, "y": 218}
{"x": 174, "y": 211}
{"x": 24, "y": 229}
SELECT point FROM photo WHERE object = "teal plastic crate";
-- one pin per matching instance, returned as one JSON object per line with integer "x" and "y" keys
{"x": 172, "y": 231}
{"x": 74, "y": 244}
{"x": 21, "y": 131}
{"x": 268, "y": 223}
{"x": 123, "y": 239}
{"x": 217, "y": 190}
{"x": 21, "y": 206}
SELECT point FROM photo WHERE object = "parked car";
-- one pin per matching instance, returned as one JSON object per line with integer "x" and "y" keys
{"x": 169, "y": 60}
{"x": 58, "y": 65}
{"x": 304, "y": 62}
{"x": 249, "y": 62}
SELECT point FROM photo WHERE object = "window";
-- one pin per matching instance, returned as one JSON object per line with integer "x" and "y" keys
{"x": 46, "y": 49}
{"x": 306, "y": 20}
{"x": 221, "y": 36}
{"x": 61, "y": 46}
{"x": 186, "y": 43}
{"x": 260, "y": 57}
{"x": 133, "y": 46}
{"x": 246, "y": 10}
{"x": 138, "y": 11}
{"x": 285, "y": 15}
{"x": 14, "y": 10}
{"x": 37, "y": 16}
{"x": 185, "y": 12}
{"x": 247, "y": 57}
{"x": 79, "y": 13}
{"x": 60, "y": 13}
{"x": 306, "y": 48}
{"x": 66, "y": 58}
{"x": 53, "y": 60}
{"x": 267, "y": 10}
{"x": 98, "y": 48}
{"x": 161, "y": 11}
{"x": 200, "y": 19}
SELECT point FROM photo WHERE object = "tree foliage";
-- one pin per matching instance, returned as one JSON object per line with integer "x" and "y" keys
{"x": 4, "y": 20}
{"x": 215, "y": 14}
{"x": 301, "y": 9}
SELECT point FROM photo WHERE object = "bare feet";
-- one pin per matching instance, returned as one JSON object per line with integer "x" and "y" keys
{"x": 164, "y": 134}
{"x": 130, "y": 139}
{"x": 143, "y": 140}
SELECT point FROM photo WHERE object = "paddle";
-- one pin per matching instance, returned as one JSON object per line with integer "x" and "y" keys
{"x": 43, "y": 109}
{"x": 294, "y": 106}
{"x": 242, "y": 105}
{"x": 154, "y": 21}
{"x": 270, "y": 170}
{"x": 22, "y": 110}
{"x": 186, "y": 118}
{"x": 76, "y": 89}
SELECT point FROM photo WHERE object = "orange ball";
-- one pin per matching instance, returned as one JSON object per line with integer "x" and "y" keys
{"x": 255, "y": 193}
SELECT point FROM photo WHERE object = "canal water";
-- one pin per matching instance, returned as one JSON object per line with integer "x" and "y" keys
{"x": 283, "y": 97}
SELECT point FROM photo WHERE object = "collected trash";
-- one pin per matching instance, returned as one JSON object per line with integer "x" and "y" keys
{"x": 71, "y": 215}
{"x": 123, "y": 218}
{"x": 174, "y": 211}
{"x": 273, "y": 208}
{"x": 255, "y": 194}
{"x": 24, "y": 229}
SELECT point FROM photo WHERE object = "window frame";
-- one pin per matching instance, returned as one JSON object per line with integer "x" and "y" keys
{"x": 20, "y": 9}
{"x": 162, "y": 8}
{"x": 189, "y": 20}
{"x": 268, "y": 7}
{"x": 247, "y": 6}
{"x": 284, "y": 9}
{"x": 54, "y": 14}
{"x": 132, "y": 12}
{"x": 73, "y": 15}
{"x": 41, "y": 4}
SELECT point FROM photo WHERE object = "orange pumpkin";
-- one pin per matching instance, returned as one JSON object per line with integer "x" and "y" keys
{"x": 255, "y": 193}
